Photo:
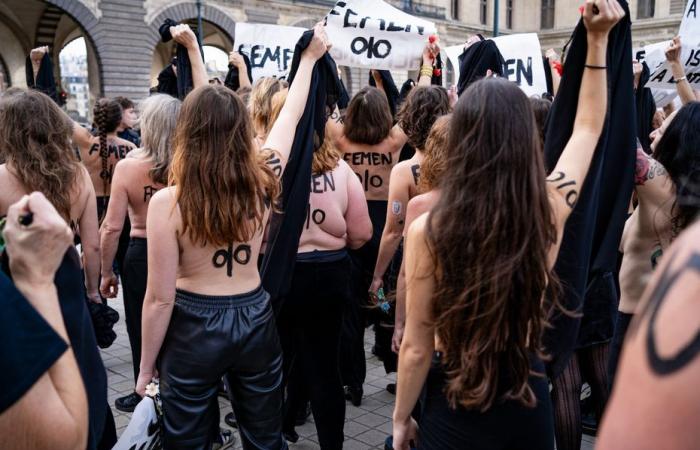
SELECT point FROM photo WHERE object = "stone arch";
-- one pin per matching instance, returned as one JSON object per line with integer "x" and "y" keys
{"x": 185, "y": 11}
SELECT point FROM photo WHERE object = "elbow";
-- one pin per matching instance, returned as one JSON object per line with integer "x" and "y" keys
{"x": 415, "y": 355}
{"x": 357, "y": 240}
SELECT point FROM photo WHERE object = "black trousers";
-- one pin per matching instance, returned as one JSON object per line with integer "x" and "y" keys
{"x": 310, "y": 323}
{"x": 134, "y": 276}
{"x": 214, "y": 336}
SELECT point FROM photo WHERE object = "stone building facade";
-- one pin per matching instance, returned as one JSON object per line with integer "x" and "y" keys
{"x": 124, "y": 53}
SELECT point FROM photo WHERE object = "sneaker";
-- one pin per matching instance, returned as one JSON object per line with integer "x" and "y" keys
{"x": 127, "y": 403}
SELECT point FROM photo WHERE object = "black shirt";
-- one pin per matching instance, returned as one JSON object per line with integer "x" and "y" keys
{"x": 29, "y": 345}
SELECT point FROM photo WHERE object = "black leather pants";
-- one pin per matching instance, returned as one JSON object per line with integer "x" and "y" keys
{"x": 214, "y": 336}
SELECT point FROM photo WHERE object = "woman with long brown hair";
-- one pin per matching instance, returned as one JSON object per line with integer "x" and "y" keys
{"x": 260, "y": 105}
{"x": 478, "y": 265}
{"x": 136, "y": 179}
{"x": 205, "y": 313}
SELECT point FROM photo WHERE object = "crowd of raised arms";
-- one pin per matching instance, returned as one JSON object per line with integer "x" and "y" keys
{"x": 440, "y": 219}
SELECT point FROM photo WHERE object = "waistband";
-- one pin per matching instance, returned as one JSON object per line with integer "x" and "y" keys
{"x": 137, "y": 241}
{"x": 322, "y": 256}
{"x": 255, "y": 296}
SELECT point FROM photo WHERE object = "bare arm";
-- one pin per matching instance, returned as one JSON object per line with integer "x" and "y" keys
{"x": 163, "y": 261}
{"x": 81, "y": 136}
{"x": 90, "y": 240}
{"x": 358, "y": 223}
{"x": 652, "y": 183}
{"x": 673, "y": 56}
{"x": 112, "y": 228}
{"x": 418, "y": 341}
{"x": 237, "y": 60}
{"x": 183, "y": 35}
{"x": 430, "y": 52}
{"x": 394, "y": 226}
{"x": 281, "y": 135}
{"x": 566, "y": 179}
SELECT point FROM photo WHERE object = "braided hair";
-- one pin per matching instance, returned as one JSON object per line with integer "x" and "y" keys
{"x": 107, "y": 117}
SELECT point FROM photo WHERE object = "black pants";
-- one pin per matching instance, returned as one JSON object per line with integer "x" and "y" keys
{"x": 310, "y": 325}
{"x": 134, "y": 277}
{"x": 214, "y": 336}
{"x": 505, "y": 426}
{"x": 622, "y": 323}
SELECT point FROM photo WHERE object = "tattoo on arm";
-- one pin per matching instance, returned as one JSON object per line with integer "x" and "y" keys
{"x": 566, "y": 186}
{"x": 647, "y": 168}
{"x": 275, "y": 163}
{"x": 660, "y": 365}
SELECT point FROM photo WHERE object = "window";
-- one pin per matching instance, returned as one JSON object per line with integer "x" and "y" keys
{"x": 547, "y": 17}
{"x": 509, "y": 14}
{"x": 455, "y": 9}
{"x": 677, "y": 6}
{"x": 483, "y": 11}
{"x": 645, "y": 9}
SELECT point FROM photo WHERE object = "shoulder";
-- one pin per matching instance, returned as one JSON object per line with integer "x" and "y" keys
{"x": 418, "y": 228}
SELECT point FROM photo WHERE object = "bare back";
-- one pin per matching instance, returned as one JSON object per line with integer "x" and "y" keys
{"x": 90, "y": 157}
{"x": 372, "y": 164}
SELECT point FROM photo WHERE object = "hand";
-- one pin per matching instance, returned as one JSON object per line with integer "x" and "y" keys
{"x": 637, "y": 68}
{"x": 236, "y": 59}
{"x": 673, "y": 52}
{"x": 36, "y": 250}
{"x": 473, "y": 39}
{"x": 397, "y": 338}
{"x": 404, "y": 432}
{"x": 38, "y": 53}
{"x": 109, "y": 286}
{"x": 452, "y": 96}
{"x": 430, "y": 51}
{"x": 319, "y": 43}
{"x": 551, "y": 54}
{"x": 600, "y": 16}
{"x": 145, "y": 378}
{"x": 377, "y": 283}
{"x": 183, "y": 35}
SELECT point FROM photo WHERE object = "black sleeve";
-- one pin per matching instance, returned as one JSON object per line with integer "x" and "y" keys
{"x": 28, "y": 345}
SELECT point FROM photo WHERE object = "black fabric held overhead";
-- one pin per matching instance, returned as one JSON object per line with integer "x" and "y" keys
{"x": 390, "y": 89}
{"x": 593, "y": 231}
{"x": 646, "y": 107}
{"x": 548, "y": 75}
{"x": 344, "y": 99}
{"x": 476, "y": 60}
{"x": 182, "y": 62}
{"x": 45, "y": 81}
{"x": 232, "y": 80}
{"x": 287, "y": 224}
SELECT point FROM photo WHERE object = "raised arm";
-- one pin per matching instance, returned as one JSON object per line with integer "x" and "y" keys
{"x": 90, "y": 239}
{"x": 112, "y": 228}
{"x": 430, "y": 52}
{"x": 237, "y": 60}
{"x": 565, "y": 181}
{"x": 281, "y": 135}
{"x": 183, "y": 35}
{"x": 163, "y": 260}
{"x": 673, "y": 56}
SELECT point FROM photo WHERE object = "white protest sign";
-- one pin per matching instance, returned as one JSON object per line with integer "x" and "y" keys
{"x": 662, "y": 76}
{"x": 523, "y": 58}
{"x": 654, "y": 56}
{"x": 269, "y": 47}
{"x": 375, "y": 35}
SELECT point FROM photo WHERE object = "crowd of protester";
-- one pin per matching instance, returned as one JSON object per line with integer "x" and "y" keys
{"x": 255, "y": 230}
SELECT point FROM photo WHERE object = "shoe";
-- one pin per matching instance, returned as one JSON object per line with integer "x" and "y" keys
{"x": 389, "y": 443}
{"x": 290, "y": 436}
{"x": 230, "y": 420}
{"x": 127, "y": 403}
{"x": 391, "y": 388}
{"x": 303, "y": 414}
{"x": 354, "y": 395}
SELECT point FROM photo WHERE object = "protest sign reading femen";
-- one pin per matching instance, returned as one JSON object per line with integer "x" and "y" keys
{"x": 269, "y": 47}
{"x": 653, "y": 56}
{"x": 662, "y": 76}
{"x": 375, "y": 35}
{"x": 523, "y": 58}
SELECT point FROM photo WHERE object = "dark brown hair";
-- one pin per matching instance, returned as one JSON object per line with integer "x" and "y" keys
{"x": 541, "y": 107}
{"x": 107, "y": 115}
{"x": 368, "y": 117}
{"x": 222, "y": 182}
{"x": 418, "y": 113}
{"x": 433, "y": 164}
{"x": 35, "y": 142}
{"x": 489, "y": 306}
{"x": 124, "y": 102}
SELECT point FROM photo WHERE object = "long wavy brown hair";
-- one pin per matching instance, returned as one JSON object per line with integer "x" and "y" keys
{"x": 418, "y": 113}
{"x": 35, "y": 142}
{"x": 435, "y": 153}
{"x": 222, "y": 182}
{"x": 489, "y": 305}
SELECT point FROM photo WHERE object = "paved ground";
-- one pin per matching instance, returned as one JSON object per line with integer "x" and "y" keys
{"x": 366, "y": 427}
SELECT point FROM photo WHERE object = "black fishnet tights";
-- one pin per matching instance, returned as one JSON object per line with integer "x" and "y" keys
{"x": 592, "y": 364}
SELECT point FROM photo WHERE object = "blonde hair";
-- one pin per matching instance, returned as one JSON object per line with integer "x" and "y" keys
{"x": 158, "y": 121}
{"x": 435, "y": 154}
{"x": 260, "y": 101}
{"x": 325, "y": 157}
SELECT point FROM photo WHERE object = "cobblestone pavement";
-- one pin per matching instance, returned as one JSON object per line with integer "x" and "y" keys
{"x": 366, "y": 427}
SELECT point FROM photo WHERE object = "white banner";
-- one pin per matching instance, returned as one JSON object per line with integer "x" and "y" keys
{"x": 373, "y": 34}
{"x": 269, "y": 47}
{"x": 523, "y": 58}
{"x": 662, "y": 76}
